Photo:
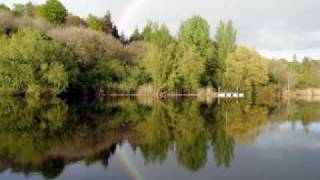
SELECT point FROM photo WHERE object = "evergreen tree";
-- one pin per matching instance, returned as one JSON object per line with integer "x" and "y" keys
{"x": 136, "y": 36}
{"x": 123, "y": 38}
{"x": 106, "y": 23}
{"x": 115, "y": 32}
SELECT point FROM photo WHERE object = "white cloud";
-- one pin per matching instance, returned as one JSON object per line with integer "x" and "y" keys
{"x": 272, "y": 26}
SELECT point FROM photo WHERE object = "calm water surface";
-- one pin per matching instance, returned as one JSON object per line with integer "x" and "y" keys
{"x": 144, "y": 139}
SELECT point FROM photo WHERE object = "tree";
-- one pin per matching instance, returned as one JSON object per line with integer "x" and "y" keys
{"x": 32, "y": 65}
{"x": 75, "y": 21}
{"x": 280, "y": 73}
{"x": 182, "y": 78}
{"x": 4, "y": 7}
{"x": 108, "y": 68}
{"x": 8, "y": 23}
{"x": 196, "y": 32}
{"x": 106, "y": 23}
{"x": 123, "y": 38}
{"x": 169, "y": 68}
{"x": 31, "y": 10}
{"x": 154, "y": 34}
{"x": 94, "y": 23}
{"x": 24, "y": 10}
{"x": 246, "y": 68}
{"x": 136, "y": 36}
{"x": 19, "y": 10}
{"x": 115, "y": 32}
{"x": 307, "y": 73}
{"x": 225, "y": 44}
{"x": 156, "y": 64}
{"x": 53, "y": 11}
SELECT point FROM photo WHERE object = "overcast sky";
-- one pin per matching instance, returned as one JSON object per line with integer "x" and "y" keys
{"x": 277, "y": 28}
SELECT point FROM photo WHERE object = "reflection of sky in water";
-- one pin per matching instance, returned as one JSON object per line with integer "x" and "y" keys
{"x": 282, "y": 151}
{"x": 279, "y": 153}
{"x": 312, "y": 127}
{"x": 289, "y": 135}
{"x": 12, "y": 176}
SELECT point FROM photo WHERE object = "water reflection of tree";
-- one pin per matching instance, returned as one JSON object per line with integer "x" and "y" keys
{"x": 44, "y": 136}
{"x": 172, "y": 123}
{"x": 306, "y": 112}
{"x": 244, "y": 125}
{"x": 27, "y": 131}
{"x": 223, "y": 145}
{"x": 231, "y": 122}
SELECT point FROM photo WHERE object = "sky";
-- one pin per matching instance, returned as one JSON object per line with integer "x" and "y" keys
{"x": 276, "y": 28}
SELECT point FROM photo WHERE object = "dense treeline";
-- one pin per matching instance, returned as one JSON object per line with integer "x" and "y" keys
{"x": 46, "y": 51}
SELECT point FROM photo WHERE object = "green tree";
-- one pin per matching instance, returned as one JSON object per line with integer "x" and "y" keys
{"x": 24, "y": 10}
{"x": 111, "y": 67}
{"x": 225, "y": 44}
{"x": 246, "y": 68}
{"x": 307, "y": 73}
{"x": 94, "y": 23}
{"x": 196, "y": 32}
{"x": 158, "y": 64}
{"x": 136, "y": 36}
{"x": 169, "y": 68}
{"x": 182, "y": 78}
{"x": 155, "y": 34}
{"x": 159, "y": 60}
{"x": 53, "y": 11}
{"x": 19, "y": 10}
{"x": 4, "y": 7}
{"x": 280, "y": 73}
{"x": 31, "y": 10}
{"x": 32, "y": 65}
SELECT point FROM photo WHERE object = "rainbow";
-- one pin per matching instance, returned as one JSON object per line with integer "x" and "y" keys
{"x": 128, "y": 12}
{"x": 128, "y": 164}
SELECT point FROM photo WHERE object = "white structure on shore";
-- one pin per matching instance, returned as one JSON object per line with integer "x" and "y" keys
{"x": 230, "y": 94}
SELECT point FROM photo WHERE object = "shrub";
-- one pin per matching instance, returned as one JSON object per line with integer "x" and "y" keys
{"x": 98, "y": 56}
{"x": 7, "y": 23}
{"x": 34, "y": 24}
{"x": 10, "y": 24}
{"x": 135, "y": 51}
{"x": 75, "y": 21}
{"x": 89, "y": 46}
{"x": 24, "y": 10}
